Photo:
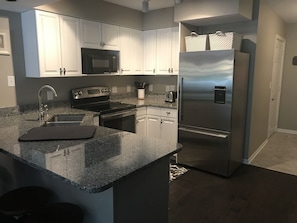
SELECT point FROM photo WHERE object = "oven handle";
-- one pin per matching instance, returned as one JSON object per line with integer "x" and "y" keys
{"x": 120, "y": 114}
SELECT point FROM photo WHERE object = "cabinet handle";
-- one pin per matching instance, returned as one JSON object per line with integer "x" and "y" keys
{"x": 168, "y": 70}
{"x": 61, "y": 71}
{"x": 161, "y": 121}
{"x": 102, "y": 43}
{"x": 171, "y": 70}
{"x": 64, "y": 71}
{"x": 168, "y": 113}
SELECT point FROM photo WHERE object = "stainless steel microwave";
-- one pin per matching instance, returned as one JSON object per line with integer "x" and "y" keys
{"x": 96, "y": 61}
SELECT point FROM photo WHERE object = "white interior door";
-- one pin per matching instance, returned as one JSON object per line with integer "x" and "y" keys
{"x": 276, "y": 83}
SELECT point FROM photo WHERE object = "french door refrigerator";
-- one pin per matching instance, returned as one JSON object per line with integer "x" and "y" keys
{"x": 212, "y": 109}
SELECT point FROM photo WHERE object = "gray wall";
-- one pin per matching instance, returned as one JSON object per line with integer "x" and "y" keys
{"x": 8, "y": 94}
{"x": 288, "y": 108}
{"x": 263, "y": 75}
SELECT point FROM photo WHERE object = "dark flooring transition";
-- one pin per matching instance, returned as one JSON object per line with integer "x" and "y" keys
{"x": 251, "y": 195}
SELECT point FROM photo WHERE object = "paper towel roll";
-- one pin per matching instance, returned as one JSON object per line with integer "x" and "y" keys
{"x": 141, "y": 93}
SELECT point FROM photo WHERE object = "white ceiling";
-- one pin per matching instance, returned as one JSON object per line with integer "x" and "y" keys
{"x": 287, "y": 9}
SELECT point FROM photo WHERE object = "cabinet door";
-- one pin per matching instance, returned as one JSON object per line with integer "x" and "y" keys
{"x": 110, "y": 37}
{"x": 168, "y": 129}
{"x": 56, "y": 162}
{"x": 137, "y": 52}
{"x": 149, "y": 51}
{"x": 141, "y": 125}
{"x": 70, "y": 46}
{"x": 153, "y": 126}
{"x": 75, "y": 160}
{"x": 175, "y": 50}
{"x": 164, "y": 51}
{"x": 126, "y": 51}
{"x": 90, "y": 34}
{"x": 49, "y": 48}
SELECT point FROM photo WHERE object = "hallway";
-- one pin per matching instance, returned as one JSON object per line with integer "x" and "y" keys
{"x": 279, "y": 154}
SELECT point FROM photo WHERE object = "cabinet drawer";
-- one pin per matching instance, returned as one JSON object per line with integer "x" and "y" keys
{"x": 141, "y": 111}
{"x": 170, "y": 113}
{"x": 153, "y": 111}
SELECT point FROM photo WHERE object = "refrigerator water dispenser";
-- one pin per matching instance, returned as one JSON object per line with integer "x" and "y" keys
{"x": 220, "y": 94}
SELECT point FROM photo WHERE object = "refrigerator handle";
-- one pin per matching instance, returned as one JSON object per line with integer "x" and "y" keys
{"x": 181, "y": 82}
{"x": 218, "y": 135}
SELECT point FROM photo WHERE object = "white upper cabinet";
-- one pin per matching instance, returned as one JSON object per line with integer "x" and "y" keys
{"x": 167, "y": 51}
{"x": 149, "y": 51}
{"x": 99, "y": 35}
{"x": 110, "y": 37}
{"x": 90, "y": 34}
{"x": 47, "y": 54}
{"x": 70, "y": 46}
{"x": 175, "y": 50}
{"x": 161, "y": 51}
{"x": 131, "y": 51}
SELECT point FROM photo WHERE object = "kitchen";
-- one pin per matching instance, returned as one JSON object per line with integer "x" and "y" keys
{"x": 26, "y": 88}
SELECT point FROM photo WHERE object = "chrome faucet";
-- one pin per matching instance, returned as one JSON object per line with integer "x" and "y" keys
{"x": 43, "y": 109}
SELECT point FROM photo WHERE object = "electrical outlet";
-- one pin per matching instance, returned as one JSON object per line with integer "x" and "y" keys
{"x": 10, "y": 81}
{"x": 128, "y": 88}
{"x": 114, "y": 89}
{"x": 151, "y": 88}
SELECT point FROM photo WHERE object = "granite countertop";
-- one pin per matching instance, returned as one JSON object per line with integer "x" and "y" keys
{"x": 96, "y": 163}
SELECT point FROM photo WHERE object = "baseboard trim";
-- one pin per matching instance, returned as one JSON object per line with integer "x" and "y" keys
{"x": 287, "y": 131}
{"x": 250, "y": 159}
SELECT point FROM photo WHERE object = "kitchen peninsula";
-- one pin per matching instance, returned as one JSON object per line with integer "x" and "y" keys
{"x": 115, "y": 176}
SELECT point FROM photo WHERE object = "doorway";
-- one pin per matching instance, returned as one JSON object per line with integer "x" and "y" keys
{"x": 276, "y": 84}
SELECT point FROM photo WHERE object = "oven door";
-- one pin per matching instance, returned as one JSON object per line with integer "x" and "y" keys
{"x": 122, "y": 120}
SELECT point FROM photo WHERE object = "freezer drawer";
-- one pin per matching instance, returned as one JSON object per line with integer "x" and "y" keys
{"x": 204, "y": 150}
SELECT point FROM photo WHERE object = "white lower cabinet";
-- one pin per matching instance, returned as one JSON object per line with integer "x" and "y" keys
{"x": 141, "y": 121}
{"x": 160, "y": 123}
{"x": 67, "y": 162}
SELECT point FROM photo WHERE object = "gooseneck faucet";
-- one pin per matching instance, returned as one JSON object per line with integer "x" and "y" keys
{"x": 41, "y": 107}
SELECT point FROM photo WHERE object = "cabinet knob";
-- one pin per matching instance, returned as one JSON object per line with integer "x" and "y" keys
{"x": 102, "y": 43}
{"x": 168, "y": 113}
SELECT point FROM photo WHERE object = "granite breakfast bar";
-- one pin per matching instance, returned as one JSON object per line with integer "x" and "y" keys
{"x": 115, "y": 176}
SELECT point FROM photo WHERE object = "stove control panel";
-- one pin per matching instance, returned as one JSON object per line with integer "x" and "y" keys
{"x": 90, "y": 92}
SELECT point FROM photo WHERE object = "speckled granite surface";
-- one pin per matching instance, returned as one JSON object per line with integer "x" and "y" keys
{"x": 96, "y": 164}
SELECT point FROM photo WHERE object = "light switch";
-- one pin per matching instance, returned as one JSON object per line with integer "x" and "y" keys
{"x": 128, "y": 88}
{"x": 10, "y": 81}
{"x": 114, "y": 90}
{"x": 151, "y": 88}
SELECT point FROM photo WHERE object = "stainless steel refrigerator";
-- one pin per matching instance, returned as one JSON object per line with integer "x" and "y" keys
{"x": 212, "y": 109}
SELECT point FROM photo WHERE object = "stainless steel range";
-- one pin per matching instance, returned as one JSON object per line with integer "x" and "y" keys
{"x": 114, "y": 115}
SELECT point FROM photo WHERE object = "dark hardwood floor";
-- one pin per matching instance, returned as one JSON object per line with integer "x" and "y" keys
{"x": 251, "y": 195}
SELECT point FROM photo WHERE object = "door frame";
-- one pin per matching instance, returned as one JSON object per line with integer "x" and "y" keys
{"x": 270, "y": 130}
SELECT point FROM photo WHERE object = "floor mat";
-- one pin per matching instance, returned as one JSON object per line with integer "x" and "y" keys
{"x": 176, "y": 171}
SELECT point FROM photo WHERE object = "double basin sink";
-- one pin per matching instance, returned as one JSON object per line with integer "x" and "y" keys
{"x": 64, "y": 120}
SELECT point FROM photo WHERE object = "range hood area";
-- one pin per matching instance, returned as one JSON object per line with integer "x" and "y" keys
{"x": 204, "y": 12}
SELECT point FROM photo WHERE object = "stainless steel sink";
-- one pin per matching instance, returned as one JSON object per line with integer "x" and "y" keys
{"x": 64, "y": 119}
